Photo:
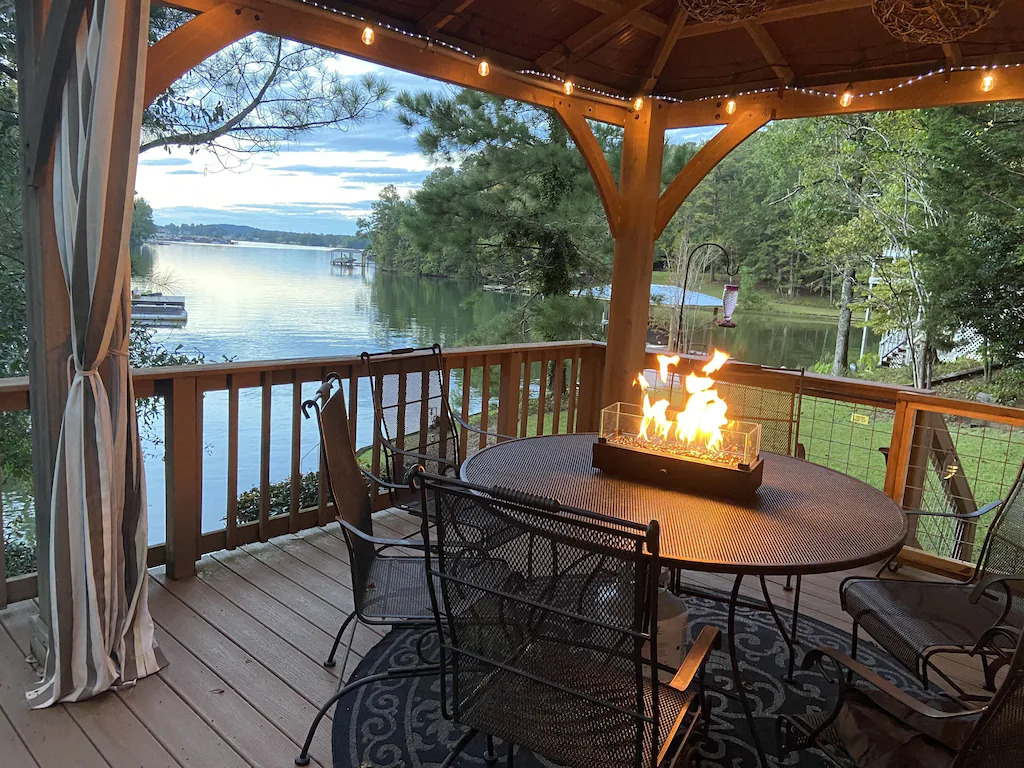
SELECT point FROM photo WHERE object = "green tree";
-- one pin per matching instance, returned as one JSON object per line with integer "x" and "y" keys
{"x": 142, "y": 222}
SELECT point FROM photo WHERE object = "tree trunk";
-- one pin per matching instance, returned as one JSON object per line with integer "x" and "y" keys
{"x": 792, "y": 275}
{"x": 841, "y": 359}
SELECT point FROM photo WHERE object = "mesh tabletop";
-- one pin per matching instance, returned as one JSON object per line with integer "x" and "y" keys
{"x": 804, "y": 519}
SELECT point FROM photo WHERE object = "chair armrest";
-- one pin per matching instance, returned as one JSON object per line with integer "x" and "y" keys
{"x": 381, "y": 542}
{"x": 466, "y": 425}
{"x": 957, "y": 515}
{"x": 840, "y": 659}
{"x": 381, "y": 481}
{"x": 708, "y": 639}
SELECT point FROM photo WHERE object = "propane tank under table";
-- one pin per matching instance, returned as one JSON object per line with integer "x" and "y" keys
{"x": 804, "y": 519}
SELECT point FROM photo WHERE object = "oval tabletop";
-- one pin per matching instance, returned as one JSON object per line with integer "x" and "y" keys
{"x": 804, "y": 519}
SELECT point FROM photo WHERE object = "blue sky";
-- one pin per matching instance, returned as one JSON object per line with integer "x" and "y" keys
{"x": 322, "y": 182}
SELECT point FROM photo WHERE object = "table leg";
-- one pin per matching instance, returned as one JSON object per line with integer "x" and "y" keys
{"x": 788, "y": 635}
{"x": 737, "y": 676}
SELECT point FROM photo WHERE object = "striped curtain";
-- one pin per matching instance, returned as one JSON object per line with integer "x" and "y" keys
{"x": 101, "y": 632}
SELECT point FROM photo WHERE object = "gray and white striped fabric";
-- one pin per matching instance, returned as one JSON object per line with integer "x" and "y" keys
{"x": 101, "y": 632}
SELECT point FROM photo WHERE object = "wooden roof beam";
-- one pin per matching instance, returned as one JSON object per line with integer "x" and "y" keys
{"x": 319, "y": 27}
{"x": 442, "y": 14}
{"x": 963, "y": 87}
{"x": 641, "y": 19}
{"x": 770, "y": 51}
{"x": 589, "y": 38}
{"x": 954, "y": 56}
{"x": 596, "y": 162}
{"x": 787, "y": 13}
{"x": 668, "y": 42}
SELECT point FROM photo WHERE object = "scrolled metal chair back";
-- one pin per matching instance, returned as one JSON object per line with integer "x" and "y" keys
{"x": 405, "y": 398}
{"x": 997, "y": 739}
{"x": 536, "y": 624}
{"x": 344, "y": 479}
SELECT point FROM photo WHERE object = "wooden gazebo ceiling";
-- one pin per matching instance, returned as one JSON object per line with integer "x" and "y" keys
{"x": 649, "y": 47}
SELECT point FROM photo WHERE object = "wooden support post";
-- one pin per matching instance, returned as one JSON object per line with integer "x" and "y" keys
{"x": 588, "y": 405}
{"x": 508, "y": 394}
{"x": 184, "y": 455}
{"x": 640, "y": 182}
{"x": 46, "y": 297}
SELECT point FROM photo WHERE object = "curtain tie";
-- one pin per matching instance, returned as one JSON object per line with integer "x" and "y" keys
{"x": 94, "y": 371}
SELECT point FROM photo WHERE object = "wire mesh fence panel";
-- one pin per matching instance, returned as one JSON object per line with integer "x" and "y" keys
{"x": 958, "y": 470}
{"x": 847, "y": 437}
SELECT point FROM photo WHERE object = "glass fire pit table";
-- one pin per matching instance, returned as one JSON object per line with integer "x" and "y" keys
{"x": 804, "y": 519}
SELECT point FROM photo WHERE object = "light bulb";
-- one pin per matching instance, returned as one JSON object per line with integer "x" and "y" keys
{"x": 730, "y": 107}
{"x": 846, "y": 99}
{"x": 368, "y": 35}
{"x": 484, "y": 69}
{"x": 567, "y": 87}
{"x": 638, "y": 103}
{"x": 988, "y": 82}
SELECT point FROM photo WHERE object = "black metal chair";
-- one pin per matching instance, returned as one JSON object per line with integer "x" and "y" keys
{"x": 872, "y": 715}
{"x": 550, "y": 640}
{"x": 915, "y": 620}
{"x": 388, "y": 588}
{"x": 414, "y": 422}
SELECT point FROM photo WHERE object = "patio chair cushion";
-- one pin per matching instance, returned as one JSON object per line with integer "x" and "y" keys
{"x": 908, "y": 617}
{"x": 877, "y": 732}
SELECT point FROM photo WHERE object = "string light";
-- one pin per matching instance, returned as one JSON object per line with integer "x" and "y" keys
{"x": 730, "y": 107}
{"x": 368, "y": 36}
{"x": 638, "y": 103}
{"x": 567, "y": 87}
{"x": 846, "y": 99}
{"x": 484, "y": 68}
{"x": 988, "y": 82}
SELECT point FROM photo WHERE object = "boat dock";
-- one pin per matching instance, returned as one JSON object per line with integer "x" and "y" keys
{"x": 159, "y": 310}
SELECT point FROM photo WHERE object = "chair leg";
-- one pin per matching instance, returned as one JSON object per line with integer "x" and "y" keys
{"x": 789, "y": 582}
{"x": 490, "y": 756}
{"x": 510, "y": 757}
{"x": 853, "y": 650}
{"x": 337, "y": 640}
{"x": 457, "y": 750}
{"x": 795, "y": 628}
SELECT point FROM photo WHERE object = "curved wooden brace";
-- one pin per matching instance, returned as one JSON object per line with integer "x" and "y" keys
{"x": 596, "y": 162}
{"x": 194, "y": 41}
{"x": 702, "y": 163}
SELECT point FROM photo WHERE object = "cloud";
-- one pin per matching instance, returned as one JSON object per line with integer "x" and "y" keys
{"x": 164, "y": 160}
{"x": 185, "y": 172}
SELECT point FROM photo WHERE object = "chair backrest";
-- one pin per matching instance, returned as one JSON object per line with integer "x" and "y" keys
{"x": 550, "y": 629}
{"x": 1003, "y": 551}
{"x": 344, "y": 479}
{"x": 776, "y": 410}
{"x": 410, "y": 401}
{"x": 997, "y": 739}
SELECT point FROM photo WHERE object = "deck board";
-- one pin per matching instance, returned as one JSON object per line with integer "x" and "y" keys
{"x": 245, "y": 640}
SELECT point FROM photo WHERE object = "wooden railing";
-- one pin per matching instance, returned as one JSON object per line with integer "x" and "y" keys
{"x": 519, "y": 390}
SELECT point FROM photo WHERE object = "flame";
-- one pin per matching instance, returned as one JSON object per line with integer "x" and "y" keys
{"x": 664, "y": 362}
{"x": 703, "y": 417}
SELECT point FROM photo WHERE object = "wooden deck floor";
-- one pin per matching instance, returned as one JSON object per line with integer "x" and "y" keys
{"x": 245, "y": 641}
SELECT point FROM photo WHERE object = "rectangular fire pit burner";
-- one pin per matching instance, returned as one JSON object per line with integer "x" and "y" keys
{"x": 695, "y": 449}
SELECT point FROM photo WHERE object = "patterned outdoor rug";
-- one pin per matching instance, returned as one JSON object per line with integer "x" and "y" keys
{"x": 399, "y": 723}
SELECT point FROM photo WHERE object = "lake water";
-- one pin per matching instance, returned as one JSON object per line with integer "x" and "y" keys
{"x": 265, "y": 302}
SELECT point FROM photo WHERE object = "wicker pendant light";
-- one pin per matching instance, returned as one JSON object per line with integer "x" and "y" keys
{"x": 725, "y": 11}
{"x": 934, "y": 21}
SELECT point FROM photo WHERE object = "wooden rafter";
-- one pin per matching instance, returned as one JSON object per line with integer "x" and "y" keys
{"x": 770, "y": 51}
{"x": 787, "y": 13}
{"x": 316, "y": 26}
{"x": 665, "y": 46}
{"x": 954, "y": 56}
{"x": 197, "y": 39}
{"x": 597, "y": 163}
{"x": 56, "y": 51}
{"x": 707, "y": 157}
{"x": 589, "y": 38}
{"x": 644, "y": 20}
{"x": 442, "y": 14}
{"x": 956, "y": 88}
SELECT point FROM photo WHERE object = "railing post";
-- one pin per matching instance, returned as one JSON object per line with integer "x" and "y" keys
{"x": 591, "y": 380}
{"x": 511, "y": 367}
{"x": 183, "y": 435}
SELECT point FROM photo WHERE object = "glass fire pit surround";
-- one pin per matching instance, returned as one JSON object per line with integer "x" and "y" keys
{"x": 726, "y": 463}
